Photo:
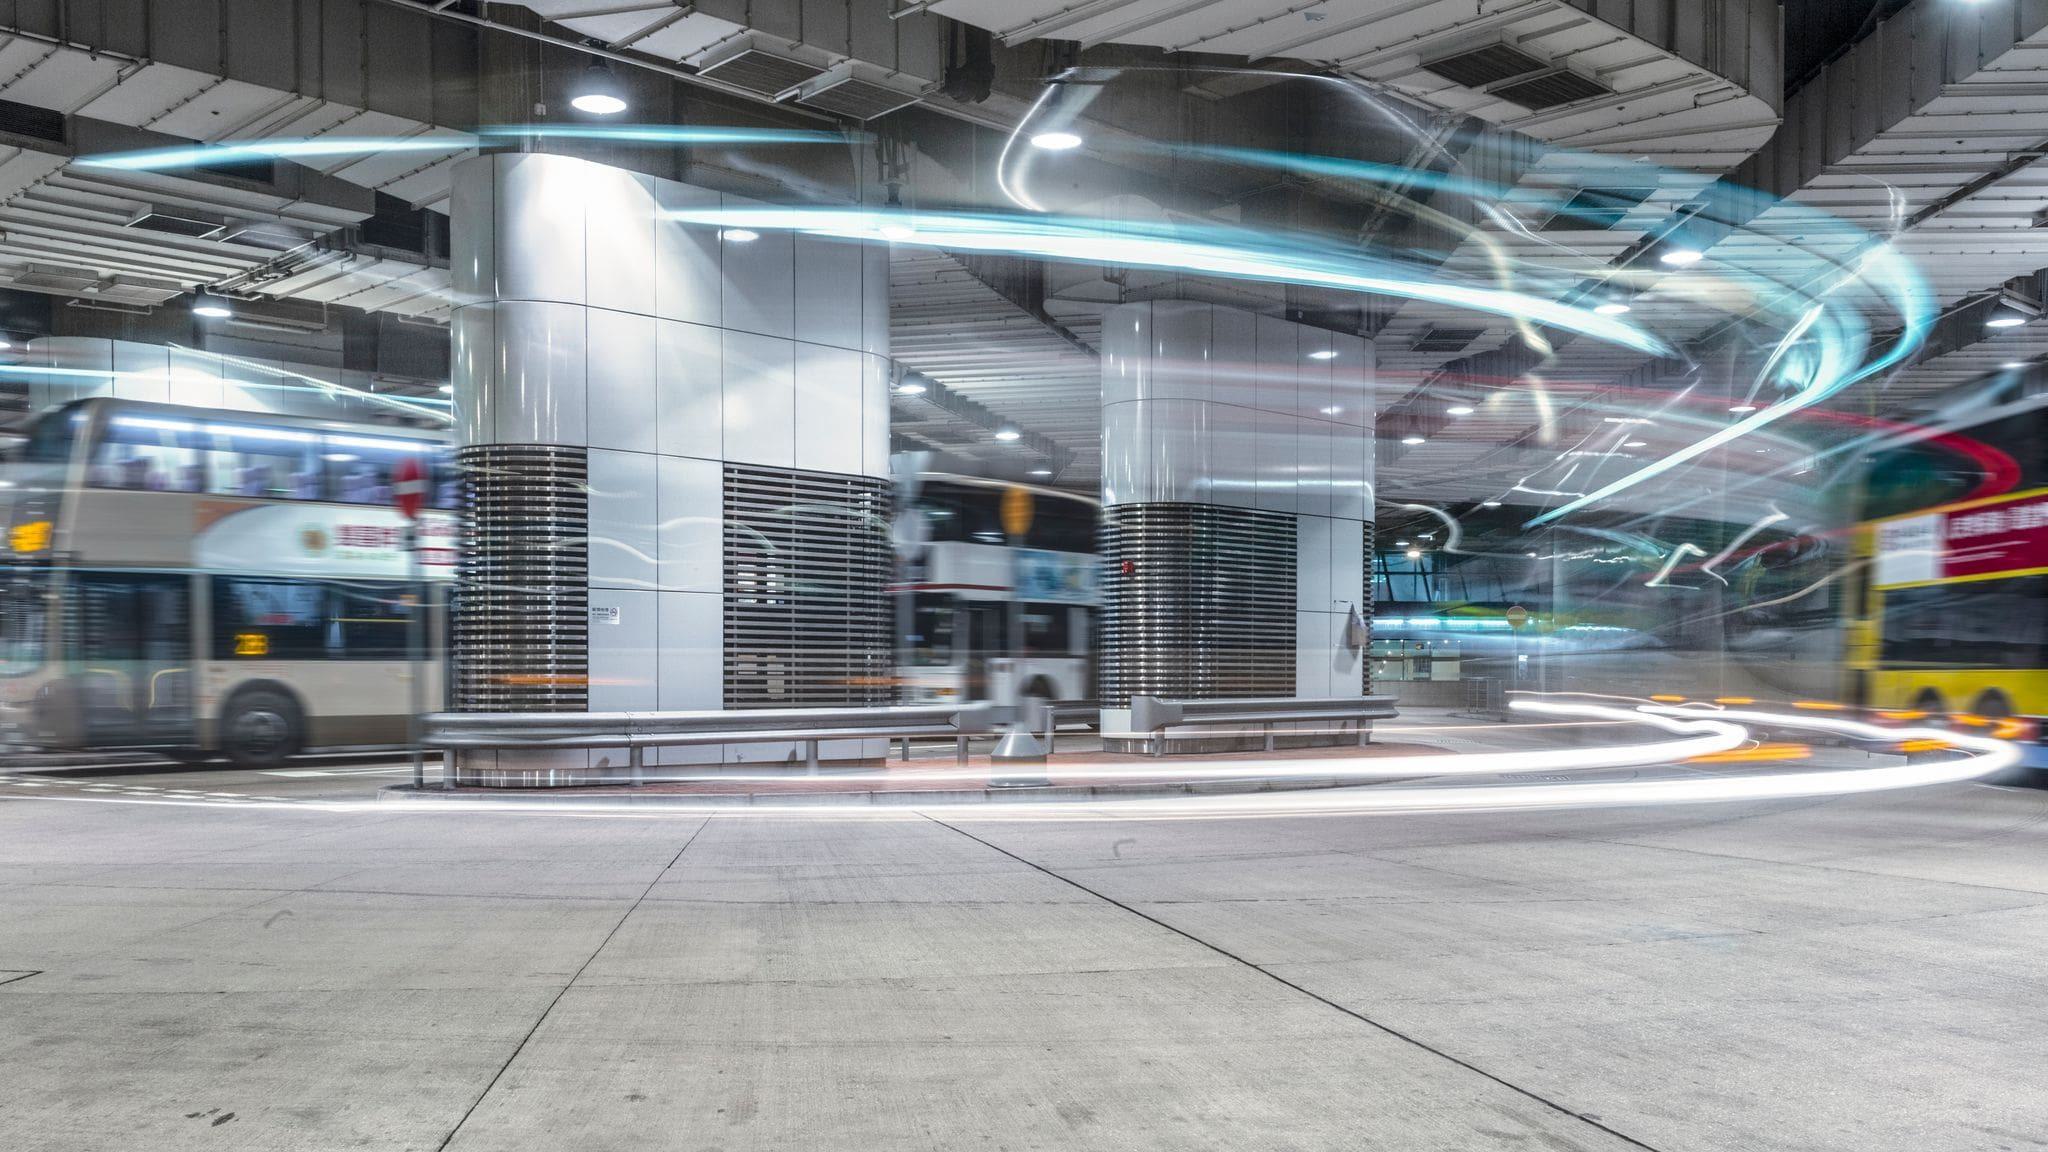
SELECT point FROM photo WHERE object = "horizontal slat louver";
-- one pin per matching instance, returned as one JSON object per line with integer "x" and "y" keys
{"x": 807, "y": 623}
{"x": 1198, "y": 603}
{"x": 522, "y": 608}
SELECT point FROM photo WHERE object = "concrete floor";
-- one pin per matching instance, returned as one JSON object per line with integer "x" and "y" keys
{"x": 1860, "y": 974}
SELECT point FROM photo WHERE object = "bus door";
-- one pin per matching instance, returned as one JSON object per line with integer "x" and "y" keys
{"x": 130, "y": 659}
{"x": 986, "y": 631}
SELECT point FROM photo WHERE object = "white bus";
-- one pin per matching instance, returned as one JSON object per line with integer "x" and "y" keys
{"x": 996, "y": 592}
{"x": 201, "y": 582}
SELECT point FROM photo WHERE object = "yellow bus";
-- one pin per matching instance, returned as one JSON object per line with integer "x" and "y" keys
{"x": 1948, "y": 611}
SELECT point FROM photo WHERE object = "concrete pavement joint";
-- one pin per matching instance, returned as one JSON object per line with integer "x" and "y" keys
{"x": 1284, "y": 982}
{"x": 570, "y": 983}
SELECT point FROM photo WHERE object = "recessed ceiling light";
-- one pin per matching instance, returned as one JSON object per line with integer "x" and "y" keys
{"x": 1636, "y": 444}
{"x": 1323, "y": 354}
{"x": 1458, "y": 410}
{"x": 739, "y": 235}
{"x": 1008, "y": 434}
{"x": 1415, "y": 553}
{"x": 1041, "y": 471}
{"x": 1740, "y": 408}
{"x": 910, "y": 388}
{"x": 2009, "y": 365}
{"x": 1611, "y": 308}
{"x": 1627, "y": 420}
{"x": 2008, "y": 320}
{"x": 1056, "y": 141}
{"x": 1489, "y": 503}
{"x": 212, "y": 307}
{"x": 1682, "y": 257}
{"x": 1413, "y": 440}
{"x": 1332, "y": 411}
{"x": 1402, "y": 543}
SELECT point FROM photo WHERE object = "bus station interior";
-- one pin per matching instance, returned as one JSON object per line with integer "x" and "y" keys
{"x": 1125, "y": 574}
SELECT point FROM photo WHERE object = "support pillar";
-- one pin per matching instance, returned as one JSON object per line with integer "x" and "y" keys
{"x": 675, "y": 449}
{"x": 1237, "y": 511}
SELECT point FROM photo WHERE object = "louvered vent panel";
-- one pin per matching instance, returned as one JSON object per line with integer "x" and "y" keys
{"x": 1435, "y": 339}
{"x": 1482, "y": 66}
{"x": 522, "y": 609}
{"x": 1198, "y": 603}
{"x": 762, "y": 72}
{"x": 807, "y": 623}
{"x": 858, "y": 99}
{"x": 1550, "y": 90}
{"x": 1365, "y": 605}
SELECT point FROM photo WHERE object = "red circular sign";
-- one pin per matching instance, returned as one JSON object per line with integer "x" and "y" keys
{"x": 408, "y": 488}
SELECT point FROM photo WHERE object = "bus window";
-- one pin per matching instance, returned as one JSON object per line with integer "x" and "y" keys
{"x": 50, "y": 441}
{"x": 150, "y": 454}
{"x": 369, "y": 621}
{"x": 359, "y": 468}
{"x": 268, "y": 619}
{"x": 931, "y": 633}
{"x": 1046, "y": 632}
{"x": 274, "y": 463}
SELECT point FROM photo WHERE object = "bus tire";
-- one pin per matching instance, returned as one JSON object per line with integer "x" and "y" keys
{"x": 1930, "y": 702}
{"x": 261, "y": 728}
{"x": 1996, "y": 705}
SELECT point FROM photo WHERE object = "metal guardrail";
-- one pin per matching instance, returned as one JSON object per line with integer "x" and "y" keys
{"x": 1152, "y": 716}
{"x": 636, "y": 731}
{"x": 1044, "y": 717}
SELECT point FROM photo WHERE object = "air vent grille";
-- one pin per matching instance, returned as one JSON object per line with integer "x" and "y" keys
{"x": 807, "y": 620}
{"x": 1434, "y": 339}
{"x": 762, "y": 72}
{"x": 522, "y": 609}
{"x": 858, "y": 99}
{"x": 175, "y": 225}
{"x": 31, "y": 121}
{"x": 1198, "y": 602}
{"x": 1596, "y": 208}
{"x": 56, "y": 278}
{"x": 1365, "y": 607}
{"x": 1551, "y": 90}
{"x": 1482, "y": 66}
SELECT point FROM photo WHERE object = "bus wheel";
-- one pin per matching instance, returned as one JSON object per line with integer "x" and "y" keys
{"x": 1930, "y": 702}
{"x": 260, "y": 729}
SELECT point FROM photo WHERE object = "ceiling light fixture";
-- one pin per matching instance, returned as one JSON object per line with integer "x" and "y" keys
{"x": 1041, "y": 471}
{"x": 1636, "y": 444}
{"x": 447, "y": 389}
{"x": 2006, "y": 320}
{"x": 1740, "y": 409}
{"x": 739, "y": 235}
{"x": 1415, "y": 553}
{"x": 1458, "y": 410}
{"x": 1008, "y": 434}
{"x": 1414, "y": 440}
{"x": 910, "y": 388}
{"x": 599, "y": 93}
{"x": 1323, "y": 354}
{"x": 212, "y": 307}
{"x": 1682, "y": 257}
{"x": 1056, "y": 141}
{"x": 2009, "y": 365}
{"x": 1611, "y": 308}
{"x": 1489, "y": 503}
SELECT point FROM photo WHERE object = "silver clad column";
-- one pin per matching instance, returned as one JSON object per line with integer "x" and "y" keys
{"x": 1237, "y": 462}
{"x": 623, "y": 383}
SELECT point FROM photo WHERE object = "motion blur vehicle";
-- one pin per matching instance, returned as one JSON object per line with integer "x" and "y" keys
{"x": 1952, "y": 612}
{"x": 199, "y": 582}
{"x": 997, "y": 593}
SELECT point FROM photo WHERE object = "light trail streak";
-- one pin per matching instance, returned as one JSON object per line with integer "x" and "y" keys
{"x": 328, "y": 147}
{"x": 1708, "y": 729}
{"x": 1216, "y": 250}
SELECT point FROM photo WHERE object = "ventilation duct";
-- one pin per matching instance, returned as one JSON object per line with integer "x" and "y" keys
{"x": 138, "y": 290}
{"x": 1596, "y": 208}
{"x": 56, "y": 278}
{"x": 32, "y": 122}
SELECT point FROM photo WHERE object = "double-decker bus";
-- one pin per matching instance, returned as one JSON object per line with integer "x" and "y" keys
{"x": 205, "y": 582}
{"x": 996, "y": 590}
{"x": 1949, "y": 615}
